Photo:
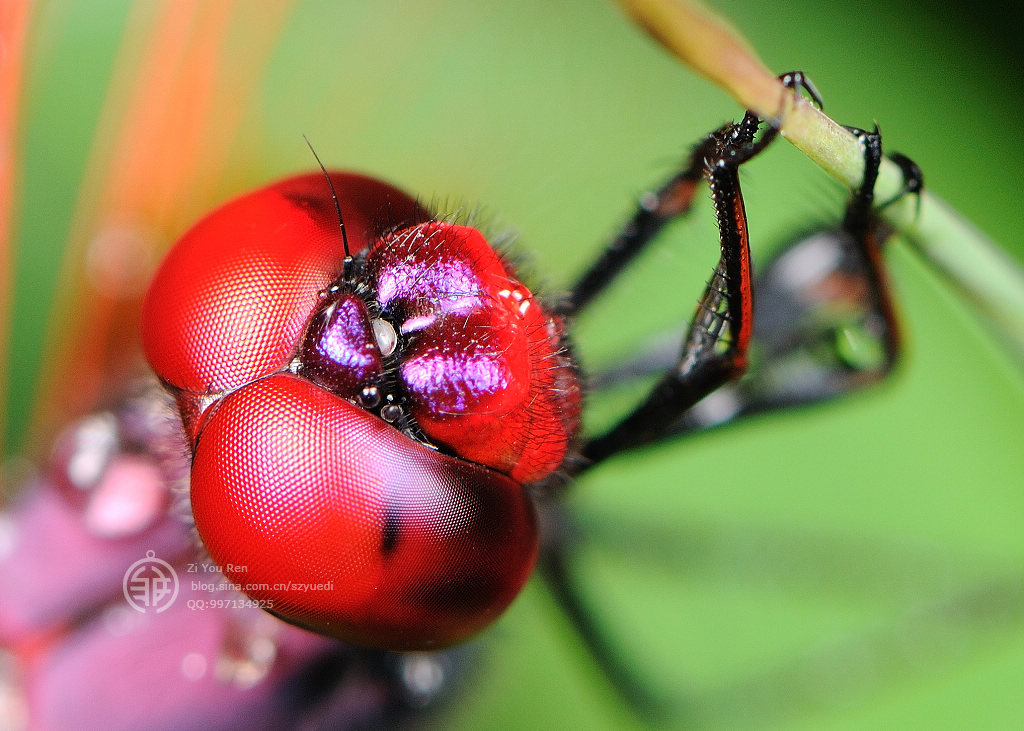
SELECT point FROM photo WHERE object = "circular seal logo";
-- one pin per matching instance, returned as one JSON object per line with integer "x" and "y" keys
{"x": 150, "y": 584}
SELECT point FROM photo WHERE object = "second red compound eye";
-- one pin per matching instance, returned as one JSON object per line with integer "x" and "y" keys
{"x": 361, "y": 428}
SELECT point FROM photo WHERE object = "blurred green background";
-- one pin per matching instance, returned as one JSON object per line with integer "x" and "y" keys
{"x": 854, "y": 566}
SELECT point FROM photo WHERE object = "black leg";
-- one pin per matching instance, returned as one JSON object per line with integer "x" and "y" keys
{"x": 709, "y": 358}
{"x": 558, "y": 556}
{"x": 673, "y": 199}
{"x": 861, "y": 225}
{"x": 825, "y": 323}
{"x": 715, "y": 349}
{"x": 800, "y": 320}
{"x": 714, "y": 352}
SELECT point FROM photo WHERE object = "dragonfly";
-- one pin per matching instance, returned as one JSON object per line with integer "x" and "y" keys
{"x": 712, "y": 497}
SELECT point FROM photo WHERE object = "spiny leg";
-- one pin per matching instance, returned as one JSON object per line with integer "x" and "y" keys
{"x": 824, "y": 324}
{"x": 671, "y": 200}
{"x": 857, "y": 255}
{"x": 710, "y": 355}
{"x": 714, "y": 352}
{"x": 715, "y": 349}
{"x": 558, "y": 554}
{"x": 862, "y": 225}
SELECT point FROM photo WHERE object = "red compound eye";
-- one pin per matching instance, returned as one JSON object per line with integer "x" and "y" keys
{"x": 234, "y": 295}
{"x": 361, "y": 428}
{"x": 339, "y": 522}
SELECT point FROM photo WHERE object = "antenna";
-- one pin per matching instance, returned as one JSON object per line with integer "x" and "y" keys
{"x": 337, "y": 207}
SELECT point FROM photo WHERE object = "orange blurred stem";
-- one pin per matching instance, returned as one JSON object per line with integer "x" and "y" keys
{"x": 14, "y": 16}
